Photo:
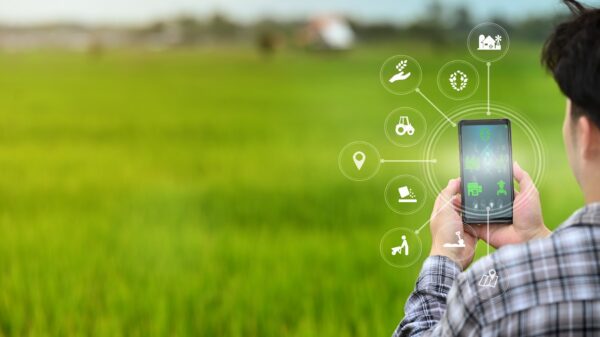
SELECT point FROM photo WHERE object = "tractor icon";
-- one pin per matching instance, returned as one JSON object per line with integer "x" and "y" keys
{"x": 404, "y": 127}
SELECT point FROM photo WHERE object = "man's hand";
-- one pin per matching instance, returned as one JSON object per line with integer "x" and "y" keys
{"x": 445, "y": 222}
{"x": 527, "y": 224}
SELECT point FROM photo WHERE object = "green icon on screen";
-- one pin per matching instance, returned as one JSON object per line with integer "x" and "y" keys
{"x": 501, "y": 190}
{"x": 472, "y": 163}
{"x": 485, "y": 134}
{"x": 474, "y": 189}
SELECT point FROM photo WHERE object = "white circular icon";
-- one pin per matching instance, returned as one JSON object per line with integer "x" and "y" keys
{"x": 401, "y": 74}
{"x": 359, "y": 161}
{"x": 405, "y": 127}
{"x": 488, "y": 42}
{"x": 405, "y": 194}
{"x": 400, "y": 247}
{"x": 458, "y": 80}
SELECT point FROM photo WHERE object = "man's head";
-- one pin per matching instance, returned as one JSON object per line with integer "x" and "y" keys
{"x": 572, "y": 55}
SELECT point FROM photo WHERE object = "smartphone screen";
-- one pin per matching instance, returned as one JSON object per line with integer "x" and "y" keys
{"x": 486, "y": 171}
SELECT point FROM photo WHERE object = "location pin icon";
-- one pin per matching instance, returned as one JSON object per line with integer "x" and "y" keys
{"x": 359, "y": 159}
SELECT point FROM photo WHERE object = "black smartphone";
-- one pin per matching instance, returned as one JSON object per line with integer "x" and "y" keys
{"x": 486, "y": 171}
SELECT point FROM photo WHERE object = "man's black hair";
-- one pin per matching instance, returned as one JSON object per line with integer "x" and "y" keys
{"x": 572, "y": 55}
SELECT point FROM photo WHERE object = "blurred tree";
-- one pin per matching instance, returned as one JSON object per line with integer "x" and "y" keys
{"x": 432, "y": 27}
{"x": 268, "y": 42}
{"x": 220, "y": 27}
{"x": 462, "y": 20}
{"x": 508, "y": 25}
{"x": 375, "y": 31}
{"x": 154, "y": 28}
{"x": 190, "y": 29}
{"x": 440, "y": 26}
{"x": 95, "y": 47}
{"x": 537, "y": 28}
{"x": 436, "y": 15}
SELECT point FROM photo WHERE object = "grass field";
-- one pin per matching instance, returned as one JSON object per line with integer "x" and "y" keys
{"x": 197, "y": 193}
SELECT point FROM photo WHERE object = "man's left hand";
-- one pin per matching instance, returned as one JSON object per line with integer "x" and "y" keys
{"x": 445, "y": 222}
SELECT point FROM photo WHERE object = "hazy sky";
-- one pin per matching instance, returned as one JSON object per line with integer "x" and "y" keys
{"x": 138, "y": 11}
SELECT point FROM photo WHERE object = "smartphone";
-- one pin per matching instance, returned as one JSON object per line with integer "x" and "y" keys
{"x": 486, "y": 172}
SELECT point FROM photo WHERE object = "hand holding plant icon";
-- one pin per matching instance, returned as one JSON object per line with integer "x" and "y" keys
{"x": 400, "y": 76}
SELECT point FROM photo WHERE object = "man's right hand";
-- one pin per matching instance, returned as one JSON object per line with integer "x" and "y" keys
{"x": 528, "y": 223}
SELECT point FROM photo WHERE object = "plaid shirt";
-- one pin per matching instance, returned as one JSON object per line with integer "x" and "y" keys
{"x": 545, "y": 287}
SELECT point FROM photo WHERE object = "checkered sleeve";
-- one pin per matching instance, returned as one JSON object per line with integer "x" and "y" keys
{"x": 427, "y": 303}
{"x": 462, "y": 319}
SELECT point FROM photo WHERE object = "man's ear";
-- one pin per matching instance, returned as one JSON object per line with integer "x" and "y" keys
{"x": 588, "y": 137}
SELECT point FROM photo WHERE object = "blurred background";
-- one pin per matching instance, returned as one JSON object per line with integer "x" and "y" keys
{"x": 169, "y": 168}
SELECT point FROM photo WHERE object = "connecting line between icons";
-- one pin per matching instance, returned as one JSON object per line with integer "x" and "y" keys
{"x": 432, "y": 215}
{"x": 433, "y": 105}
{"x": 433, "y": 161}
{"x": 489, "y": 65}
{"x": 488, "y": 230}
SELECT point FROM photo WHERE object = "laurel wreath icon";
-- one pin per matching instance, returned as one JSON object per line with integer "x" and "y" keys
{"x": 459, "y": 80}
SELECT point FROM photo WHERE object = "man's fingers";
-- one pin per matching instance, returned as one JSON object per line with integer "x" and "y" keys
{"x": 482, "y": 232}
{"x": 448, "y": 192}
{"x": 452, "y": 189}
{"x": 457, "y": 201}
{"x": 522, "y": 177}
{"x": 518, "y": 172}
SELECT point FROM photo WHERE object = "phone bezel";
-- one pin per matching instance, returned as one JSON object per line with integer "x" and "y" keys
{"x": 471, "y": 122}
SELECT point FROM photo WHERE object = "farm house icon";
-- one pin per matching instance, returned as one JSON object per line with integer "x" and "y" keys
{"x": 489, "y": 43}
{"x": 404, "y": 127}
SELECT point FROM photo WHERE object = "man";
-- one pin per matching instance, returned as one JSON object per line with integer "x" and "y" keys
{"x": 537, "y": 283}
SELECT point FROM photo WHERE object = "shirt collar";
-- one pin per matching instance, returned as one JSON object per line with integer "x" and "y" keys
{"x": 588, "y": 214}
